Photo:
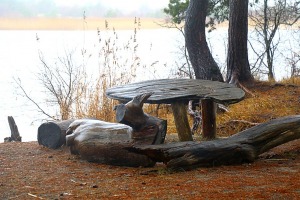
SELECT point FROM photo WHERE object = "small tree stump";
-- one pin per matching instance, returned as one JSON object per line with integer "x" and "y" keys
{"x": 15, "y": 135}
{"x": 53, "y": 134}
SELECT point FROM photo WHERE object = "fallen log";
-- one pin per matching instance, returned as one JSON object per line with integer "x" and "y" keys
{"x": 53, "y": 134}
{"x": 245, "y": 146}
{"x": 108, "y": 143}
{"x": 104, "y": 142}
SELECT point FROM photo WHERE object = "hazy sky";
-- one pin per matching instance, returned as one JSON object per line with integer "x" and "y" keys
{"x": 124, "y": 5}
{"x": 75, "y": 8}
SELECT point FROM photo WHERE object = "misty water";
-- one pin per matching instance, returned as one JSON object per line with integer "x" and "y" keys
{"x": 19, "y": 57}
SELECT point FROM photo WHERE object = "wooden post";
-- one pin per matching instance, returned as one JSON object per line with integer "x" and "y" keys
{"x": 208, "y": 118}
{"x": 15, "y": 135}
{"x": 181, "y": 121}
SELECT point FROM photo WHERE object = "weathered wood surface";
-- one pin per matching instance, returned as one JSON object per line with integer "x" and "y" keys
{"x": 104, "y": 142}
{"x": 181, "y": 120}
{"x": 167, "y": 91}
{"x": 145, "y": 127}
{"x": 14, "y": 131}
{"x": 209, "y": 115}
{"x": 178, "y": 92}
{"x": 108, "y": 143}
{"x": 53, "y": 134}
{"x": 245, "y": 146}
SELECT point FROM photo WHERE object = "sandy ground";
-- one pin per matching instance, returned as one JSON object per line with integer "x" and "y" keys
{"x": 30, "y": 171}
{"x": 76, "y": 24}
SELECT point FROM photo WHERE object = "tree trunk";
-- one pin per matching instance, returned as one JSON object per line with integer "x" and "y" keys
{"x": 201, "y": 59}
{"x": 53, "y": 134}
{"x": 238, "y": 68}
{"x": 15, "y": 135}
{"x": 245, "y": 146}
{"x": 268, "y": 40}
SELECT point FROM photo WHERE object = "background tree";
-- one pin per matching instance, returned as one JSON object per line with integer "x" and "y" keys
{"x": 267, "y": 22}
{"x": 201, "y": 58}
{"x": 215, "y": 11}
{"x": 175, "y": 19}
{"x": 238, "y": 68}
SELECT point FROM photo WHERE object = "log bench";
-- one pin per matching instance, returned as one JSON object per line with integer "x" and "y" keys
{"x": 109, "y": 143}
{"x": 178, "y": 92}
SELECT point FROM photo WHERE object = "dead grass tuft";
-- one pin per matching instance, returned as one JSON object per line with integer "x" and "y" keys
{"x": 270, "y": 101}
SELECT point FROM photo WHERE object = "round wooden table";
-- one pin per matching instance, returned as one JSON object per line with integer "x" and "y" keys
{"x": 178, "y": 92}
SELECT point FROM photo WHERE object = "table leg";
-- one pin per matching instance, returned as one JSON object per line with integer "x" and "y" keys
{"x": 181, "y": 121}
{"x": 209, "y": 110}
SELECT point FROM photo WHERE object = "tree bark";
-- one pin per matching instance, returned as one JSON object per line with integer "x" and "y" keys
{"x": 238, "y": 68}
{"x": 53, "y": 134}
{"x": 15, "y": 135}
{"x": 245, "y": 146}
{"x": 201, "y": 59}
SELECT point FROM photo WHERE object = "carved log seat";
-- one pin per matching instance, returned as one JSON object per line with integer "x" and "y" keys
{"x": 108, "y": 143}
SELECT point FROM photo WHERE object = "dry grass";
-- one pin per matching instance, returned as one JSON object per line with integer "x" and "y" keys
{"x": 270, "y": 101}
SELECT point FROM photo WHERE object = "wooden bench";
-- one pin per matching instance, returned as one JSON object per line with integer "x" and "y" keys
{"x": 178, "y": 92}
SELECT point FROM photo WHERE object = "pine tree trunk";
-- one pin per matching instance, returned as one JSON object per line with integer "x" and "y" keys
{"x": 238, "y": 68}
{"x": 201, "y": 59}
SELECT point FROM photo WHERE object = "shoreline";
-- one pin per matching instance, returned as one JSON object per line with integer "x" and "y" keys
{"x": 77, "y": 23}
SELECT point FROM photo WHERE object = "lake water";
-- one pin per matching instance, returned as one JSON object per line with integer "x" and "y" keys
{"x": 19, "y": 56}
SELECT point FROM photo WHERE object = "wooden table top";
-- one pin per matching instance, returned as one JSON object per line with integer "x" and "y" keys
{"x": 167, "y": 91}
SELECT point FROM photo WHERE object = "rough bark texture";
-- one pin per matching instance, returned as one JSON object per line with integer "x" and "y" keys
{"x": 53, "y": 134}
{"x": 15, "y": 135}
{"x": 238, "y": 68}
{"x": 201, "y": 59}
{"x": 245, "y": 146}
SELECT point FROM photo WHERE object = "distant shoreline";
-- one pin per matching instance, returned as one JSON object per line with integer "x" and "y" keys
{"x": 76, "y": 23}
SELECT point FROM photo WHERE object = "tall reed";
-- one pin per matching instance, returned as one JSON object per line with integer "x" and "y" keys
{"x": 119, "y": 61}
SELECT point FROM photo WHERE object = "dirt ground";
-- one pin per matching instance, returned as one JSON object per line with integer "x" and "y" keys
{"x": 30, "y": 171}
